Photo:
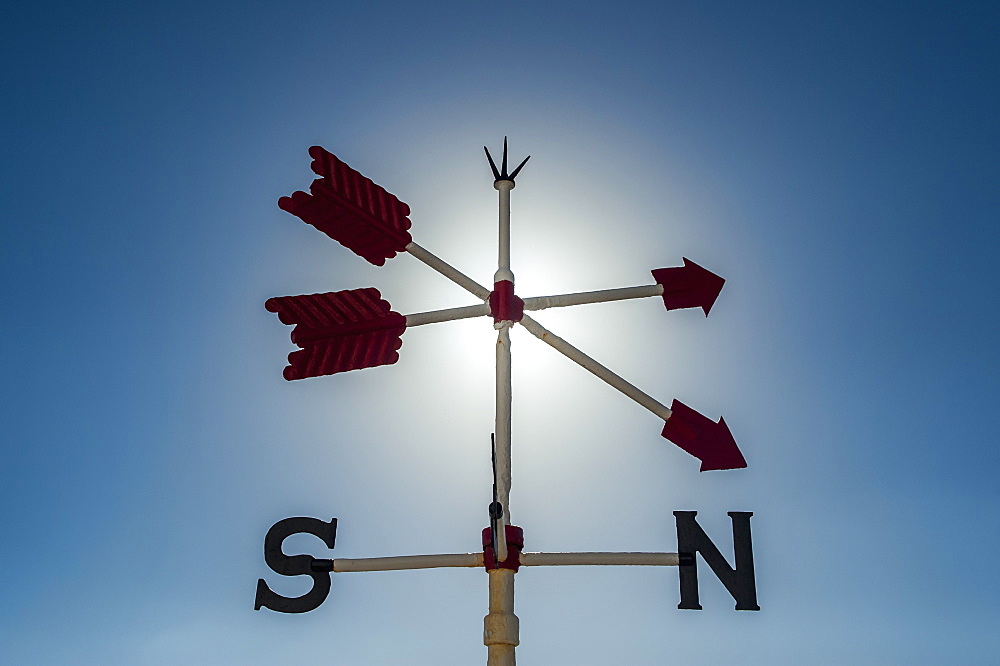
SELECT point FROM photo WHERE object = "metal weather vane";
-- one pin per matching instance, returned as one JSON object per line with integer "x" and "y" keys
{"x": 354, "y": 329}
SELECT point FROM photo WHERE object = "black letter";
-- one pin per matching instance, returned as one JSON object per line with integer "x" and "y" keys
{"x": 739, "y": 581}
{"x": 296, "y": 565}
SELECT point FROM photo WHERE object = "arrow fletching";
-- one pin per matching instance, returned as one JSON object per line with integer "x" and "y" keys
{"x": 351, "y": 209}
{"x": 339, "y": 331}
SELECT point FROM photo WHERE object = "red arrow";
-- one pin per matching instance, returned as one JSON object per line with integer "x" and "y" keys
{"x": 351, "y": 209}
{"x": 688, "y": 286}
{"x": 709, "y": 442}
{"x": 339, "y": 331}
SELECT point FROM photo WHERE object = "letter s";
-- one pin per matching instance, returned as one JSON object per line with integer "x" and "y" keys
{"x": 296, "y": 565}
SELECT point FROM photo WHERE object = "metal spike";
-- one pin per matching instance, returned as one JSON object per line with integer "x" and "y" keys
{"x": 496, "y": 174}
{"x": 503, "y": 167}
{"x": 518, "y": 169}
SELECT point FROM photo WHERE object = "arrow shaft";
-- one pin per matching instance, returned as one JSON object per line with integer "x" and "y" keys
{"x": 451, "y": 314}
{"x": 589, "y": 364}
{"x": 449, "y": 271}
{"x": 601, "y": 296}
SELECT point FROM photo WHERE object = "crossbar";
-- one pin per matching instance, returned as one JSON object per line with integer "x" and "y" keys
{"x": 473, "y": 560}
{"x": 404, "y": 562}
{"x": 599, "y": 559}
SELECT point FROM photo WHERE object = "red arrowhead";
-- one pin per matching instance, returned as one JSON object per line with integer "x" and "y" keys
{"x": 709, "y": 442}
{"x": 688, "y": 286}
{"x": 351, "y": 209}
{"x": 339, "y": 331}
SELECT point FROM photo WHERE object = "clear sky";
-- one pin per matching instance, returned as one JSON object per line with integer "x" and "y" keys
{"x": 835, "y": 162}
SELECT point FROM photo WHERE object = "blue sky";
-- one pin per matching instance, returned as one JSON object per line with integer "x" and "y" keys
{"x": 835, "y": 162}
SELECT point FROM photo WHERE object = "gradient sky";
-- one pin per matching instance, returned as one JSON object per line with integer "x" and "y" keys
{"x": 835, "y": 162}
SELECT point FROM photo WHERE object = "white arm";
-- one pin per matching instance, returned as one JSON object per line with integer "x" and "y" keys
{"x": 604, "y": 295}
{"x": 587, "y": 363}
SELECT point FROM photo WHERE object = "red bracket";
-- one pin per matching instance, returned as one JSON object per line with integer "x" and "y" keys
{"x": 515, "y": 544}
{"x": 504, "y": 305}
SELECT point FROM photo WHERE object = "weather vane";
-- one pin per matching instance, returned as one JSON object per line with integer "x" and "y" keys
{"x": 354, "y": 329}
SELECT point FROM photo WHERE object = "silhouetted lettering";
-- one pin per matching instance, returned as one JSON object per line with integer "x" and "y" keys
{"x": 296, "y": 565}
{"x": 739, "y": 581}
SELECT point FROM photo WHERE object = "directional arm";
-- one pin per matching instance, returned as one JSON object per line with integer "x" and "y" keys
{"x": 451, "y": 314}
{"x": 710, "y": 442}
{"x": 687, "y": 286}
{"x": 449, "y": 271}
{"x": 589, "y": 364}
{"x": 583, "y": 297}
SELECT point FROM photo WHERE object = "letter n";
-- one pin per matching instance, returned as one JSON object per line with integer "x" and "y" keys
{"x": 739, "y": 581}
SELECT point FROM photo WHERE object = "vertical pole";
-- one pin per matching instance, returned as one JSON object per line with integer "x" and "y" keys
{"x": 500, "y": 633}
{"x": 503, "y": 269}
{"x": 502, "y": 425}
{"x": 503, "y": 387}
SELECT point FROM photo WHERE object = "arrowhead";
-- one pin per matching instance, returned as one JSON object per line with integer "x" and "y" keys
{"x": 689, "y": 286}
{"x": 709, "y": 442}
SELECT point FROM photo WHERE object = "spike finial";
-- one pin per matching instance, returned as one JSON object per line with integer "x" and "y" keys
{"x": 502, "y": 174}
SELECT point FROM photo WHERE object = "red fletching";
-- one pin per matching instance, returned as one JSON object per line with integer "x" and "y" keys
{"x": 351, "y": 209}
{"x": 339, "y": 331}
{"x": 709, "y": 442}
{"x": 689, "y": 286}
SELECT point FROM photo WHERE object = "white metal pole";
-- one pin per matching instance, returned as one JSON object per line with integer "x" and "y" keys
{"x": 601, "y": 296}
{"x": 574, "y": 354}
{"x": 503, "y": 253}
{"x": 503, "y": 363}
{"x": 599, "y": 559}
{"x": 500, "y": 628}
{"x": 399, "y": 563}
{"x": 449, "y": 271}
{"x": 502, "y": 425}
{"x": 451, "y": 314}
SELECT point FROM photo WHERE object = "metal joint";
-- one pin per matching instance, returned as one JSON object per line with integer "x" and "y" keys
{"x": 515, "y": 544}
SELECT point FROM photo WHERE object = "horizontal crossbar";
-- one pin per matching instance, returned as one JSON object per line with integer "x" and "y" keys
{"x": 599, "y": 559}
{"x": 471, "y": 560}
{"x": 408, "y": 562}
